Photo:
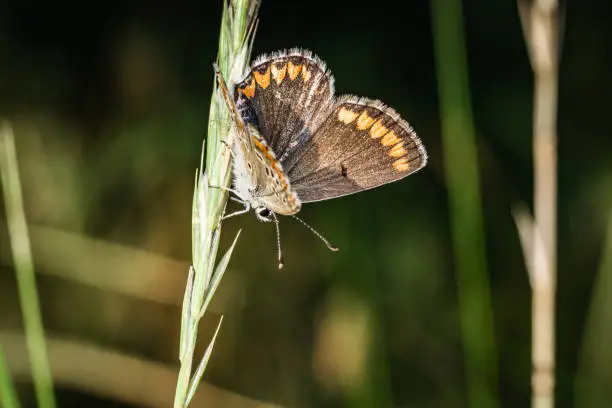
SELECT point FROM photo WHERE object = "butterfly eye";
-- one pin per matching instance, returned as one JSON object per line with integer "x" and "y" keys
{"x": 264, "y": 214}
{"x": 249, "y": 166}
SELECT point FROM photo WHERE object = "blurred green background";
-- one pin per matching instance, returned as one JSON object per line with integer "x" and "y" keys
{"x": 109, "y": 104}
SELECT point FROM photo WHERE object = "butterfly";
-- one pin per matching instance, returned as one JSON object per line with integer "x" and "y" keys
{"x": 298, "y": 143}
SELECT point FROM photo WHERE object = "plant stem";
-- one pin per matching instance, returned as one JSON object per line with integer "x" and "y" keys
{"x": 461, "y": 169}
{"x": 24, "y": 268}
{"x": 237, "y": 29}
{"x": 539, "y": 19}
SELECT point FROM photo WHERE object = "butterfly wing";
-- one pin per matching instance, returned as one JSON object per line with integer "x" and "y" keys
{"x": 259, "y": 177}
{"x": 286, "y": 95}
{"x": 361, "y": 144}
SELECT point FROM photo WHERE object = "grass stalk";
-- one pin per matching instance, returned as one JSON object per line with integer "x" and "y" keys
{"x": 238, "y": 23}
{"x": 539, "y": 19}
{"x": 592, "y": 387}
{"x": 461, "y": 169}
{"x": 8, "y": 394}
{"x": 24, "y": 268}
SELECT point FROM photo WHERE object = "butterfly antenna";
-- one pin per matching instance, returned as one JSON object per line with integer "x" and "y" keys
{"x": 314, "y": 231}
{"x": 278, "y": 244}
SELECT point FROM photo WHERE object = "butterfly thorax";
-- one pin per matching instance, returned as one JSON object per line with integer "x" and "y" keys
{"x": 259, "y": 178}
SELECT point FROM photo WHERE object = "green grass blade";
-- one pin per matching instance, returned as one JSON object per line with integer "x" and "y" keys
{"x": 210, "y": 196}
{"x": 8, "y": 394}
{"x": 24, "y": 268}
{"x": 197, "y": 376}
{"x": 461, "y": 169}
{"x": 592, "y": 387}
{"x": 220, "y": 271}
{"x": 186, "y": 317}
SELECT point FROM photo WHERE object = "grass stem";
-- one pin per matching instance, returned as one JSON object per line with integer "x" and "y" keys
{"x": 540, "y": 26}
{"x": 238, "y": 23}
{"x": 24, "y": 268}
{"x": 461, "y": 169}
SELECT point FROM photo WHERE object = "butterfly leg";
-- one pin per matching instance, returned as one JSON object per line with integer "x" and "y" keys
{"x": 246, "y": 209}
{"x": 230, "y": 190}
{"x": 247, "y": 206}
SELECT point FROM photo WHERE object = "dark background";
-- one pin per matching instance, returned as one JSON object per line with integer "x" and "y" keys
{"x": 109, "y": 102}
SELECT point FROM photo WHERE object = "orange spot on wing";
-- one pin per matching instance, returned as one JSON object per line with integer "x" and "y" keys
{"x": 279, "y": 73}
{"x": 248, "y": 90}
{"x": 346, "y": 116}
{"x": 263, "y": 80}
{"x": 293, "y": 69}
{"x": 397, "y": 150}
{"x": 401, "y": 164}
{"x": 378, "y": 130}
{"x": 364, "y": 121}
{"x": 390, "y": 139}
{"x": 306, "y": 75}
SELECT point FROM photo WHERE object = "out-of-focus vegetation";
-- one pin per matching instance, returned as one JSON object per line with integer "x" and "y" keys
{"x": 109, "y": 106}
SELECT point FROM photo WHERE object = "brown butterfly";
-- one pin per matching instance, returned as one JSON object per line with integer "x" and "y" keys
{"x": 298, "y": 143}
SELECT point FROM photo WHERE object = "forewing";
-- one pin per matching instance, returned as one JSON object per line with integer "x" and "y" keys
{"x": 360, "y": 145}
{"x": 286, "y": 95}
